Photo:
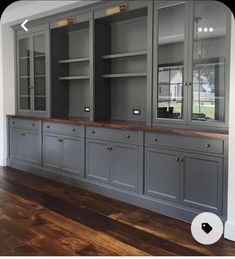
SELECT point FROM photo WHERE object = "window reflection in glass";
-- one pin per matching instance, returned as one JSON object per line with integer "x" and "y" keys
{"x": 170, "y": 62}
{"x": 209, "y": 61}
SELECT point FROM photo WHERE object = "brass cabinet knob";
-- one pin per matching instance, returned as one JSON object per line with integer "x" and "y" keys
{"x": 207, "y": 145}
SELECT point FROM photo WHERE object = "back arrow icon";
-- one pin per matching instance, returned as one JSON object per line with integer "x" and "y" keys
{"x": 23, "y": 25}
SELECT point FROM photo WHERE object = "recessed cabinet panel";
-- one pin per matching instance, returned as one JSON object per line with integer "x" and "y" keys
{"x": 32, "y": 147}
{"x": 170, "y": 62}
{"x": 97, "y": 160}
{"x": 16, "y": 144}
{"x": 73, "y": 155}
{"x": 126, "y": 169}
{"x": 201, "y": 182}
{"x": 209, "y": 58}
{"x": 162, "y": 174}
{"x": 51, "y": 151}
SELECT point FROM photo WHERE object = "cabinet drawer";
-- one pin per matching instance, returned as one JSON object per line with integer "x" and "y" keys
{"x": 183, "y": 142}
{"x": 63, "y": 128}
{"x": 126, "y": 136}
{"x": 25, "y": 124}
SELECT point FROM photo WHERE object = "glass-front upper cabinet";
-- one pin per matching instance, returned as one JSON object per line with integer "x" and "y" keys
{"x": 33, "y": 73}
{"x": 208, "y": 71}
{"x": 170, "y": 48}
{"x": 191, "y": 44}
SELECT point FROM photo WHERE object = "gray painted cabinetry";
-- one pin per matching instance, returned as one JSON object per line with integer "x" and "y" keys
{"x": 64, "y": 152}
{"x": 115, "y": 162}
{"x": 25, "y": 141}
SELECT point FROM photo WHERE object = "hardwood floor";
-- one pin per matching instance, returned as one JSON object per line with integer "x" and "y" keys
{"x": 39, "y": 216}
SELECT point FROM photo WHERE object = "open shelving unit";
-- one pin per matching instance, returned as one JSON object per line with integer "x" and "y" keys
{"x": 121, "y": 47}
{"x": 71, "y": 70}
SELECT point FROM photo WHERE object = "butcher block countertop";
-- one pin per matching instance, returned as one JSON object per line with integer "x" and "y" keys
{"x": 128, "y": 125}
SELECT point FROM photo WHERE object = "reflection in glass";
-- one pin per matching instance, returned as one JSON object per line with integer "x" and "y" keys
{"x": 209, "y": 61}
{"x": 170, "y": 62}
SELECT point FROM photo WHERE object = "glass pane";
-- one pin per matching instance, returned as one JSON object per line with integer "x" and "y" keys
{"x": 170, "y": 62}
{"x": 39, "y": 73}
{"x": 24, "y": 48}
{"x": 209, "y": 61}
{"x": 24, "y": 67}
{"x": 24, "y": 103}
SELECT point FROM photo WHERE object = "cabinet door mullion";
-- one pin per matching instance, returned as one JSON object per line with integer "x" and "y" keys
{"x": 31, "y": 74}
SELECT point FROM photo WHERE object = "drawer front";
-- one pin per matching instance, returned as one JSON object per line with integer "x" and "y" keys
{"x": 191, "y": 143}
{"x": 25, "y": 124}
{"x": 63, "y": 128}
{"x": 126, "y": 136}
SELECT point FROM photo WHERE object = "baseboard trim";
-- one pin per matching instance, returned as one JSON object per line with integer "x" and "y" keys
{"x": 159, "y": 206}
{"x": 229, "y": 230}
{"x": 3, "y": 161}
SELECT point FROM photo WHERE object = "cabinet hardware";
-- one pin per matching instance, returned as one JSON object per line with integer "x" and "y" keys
{"x": 116, "y": 9}
{"x": 33, "y": 124}
{"x": 74, "y": 129}
{"x": 110, "y": 148}
{"x": 23, "y": 134}
{"x": 155, "y": 139}
{"x": 61, "y": 140}
{"x": 93, "y": 132}
{"x": 13, "y": 122}
{"x": 177, "y": 159}
{"x": 207, "y": 145}
{"x": 58, "y": 140}
{"x": 181, "y": 159}
{"x": 187, "y": 83}
{"x": 107, "y": 148}
{"x": 128, "y": 136}
{"x": 48, "y": 126}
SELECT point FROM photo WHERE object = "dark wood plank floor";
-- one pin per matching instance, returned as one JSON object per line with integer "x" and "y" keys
{"x": 39, "y": 216}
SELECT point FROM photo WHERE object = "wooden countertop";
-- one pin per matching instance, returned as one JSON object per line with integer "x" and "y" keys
{"x": 129, "y": 125}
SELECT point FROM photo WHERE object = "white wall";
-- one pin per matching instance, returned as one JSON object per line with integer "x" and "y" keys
{"x": 7, "y": 80}
{"x": 230, "y": 224}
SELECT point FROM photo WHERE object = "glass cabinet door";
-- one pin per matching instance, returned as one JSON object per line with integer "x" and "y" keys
{"x": 169, "y": 63}
{"x": 24, "y": 74}
{"x": 39, "y": 56}
{"x": 208, "y": 64}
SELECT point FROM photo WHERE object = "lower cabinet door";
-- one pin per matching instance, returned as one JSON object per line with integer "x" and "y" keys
{"x": 126, "y": 166}
{"x": 16, "y": 144}
{"x": 72, "y": 155}
{"x": 201, "y": 182}
{"x": 162, "y": 173}
{"x": 32, "y": 147}
{"x": 97, "y": 160}
{"x": 51, "y": 151}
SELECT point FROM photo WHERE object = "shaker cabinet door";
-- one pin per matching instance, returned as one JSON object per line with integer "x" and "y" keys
{"x": 97, "y": 160}
{"x": 125, "y": 167}
{"x": 162, "y": 174}
{"x": 16, "y": 144}
{"x": 201, "y": 182}
{"x": 51, "y": 151}
{"x": 72, "y": 155}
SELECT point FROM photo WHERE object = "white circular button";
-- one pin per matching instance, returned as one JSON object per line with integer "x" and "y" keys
{"x": 207, "y": 228}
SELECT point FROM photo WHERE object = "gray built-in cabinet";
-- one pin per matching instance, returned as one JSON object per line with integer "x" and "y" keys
{"x": 151, "y": 63}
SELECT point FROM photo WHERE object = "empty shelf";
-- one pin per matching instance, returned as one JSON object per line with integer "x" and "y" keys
{"x": 39, "y": 76}
{"x": 26, "y": 57}
{"x": 74, "y": 77}
{"x": 125, "y": 75}
{"x": 39, "y": 56}
{"x": 22, "y": 77}
{"x": 126, "y": 54}
{"x": 73, "y": 60}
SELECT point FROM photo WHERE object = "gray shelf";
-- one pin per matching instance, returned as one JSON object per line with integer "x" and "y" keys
{"x": 73, "y": 60}
{"x": 125, "y": 75}
{"x": 40, "y": 56}
{"x": 126, "y": 54}
{"x": 22, "y": 77}
{"x": 37, "y": 76}
{"x": 26, "y": 57}
{"x": 74, "y": 77}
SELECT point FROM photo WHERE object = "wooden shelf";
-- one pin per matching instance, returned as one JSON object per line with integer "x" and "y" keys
{"x": 22, "y": 77}
{"x": 126, "y": 54}
{"x": 125, "y": 75}
{"x": 73, "y": 60}
{"x": 26, "y": 57}
{"x": 74, "y": 77}
{"x": 38, "y": 76}
{"x": 40, "y": 56}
